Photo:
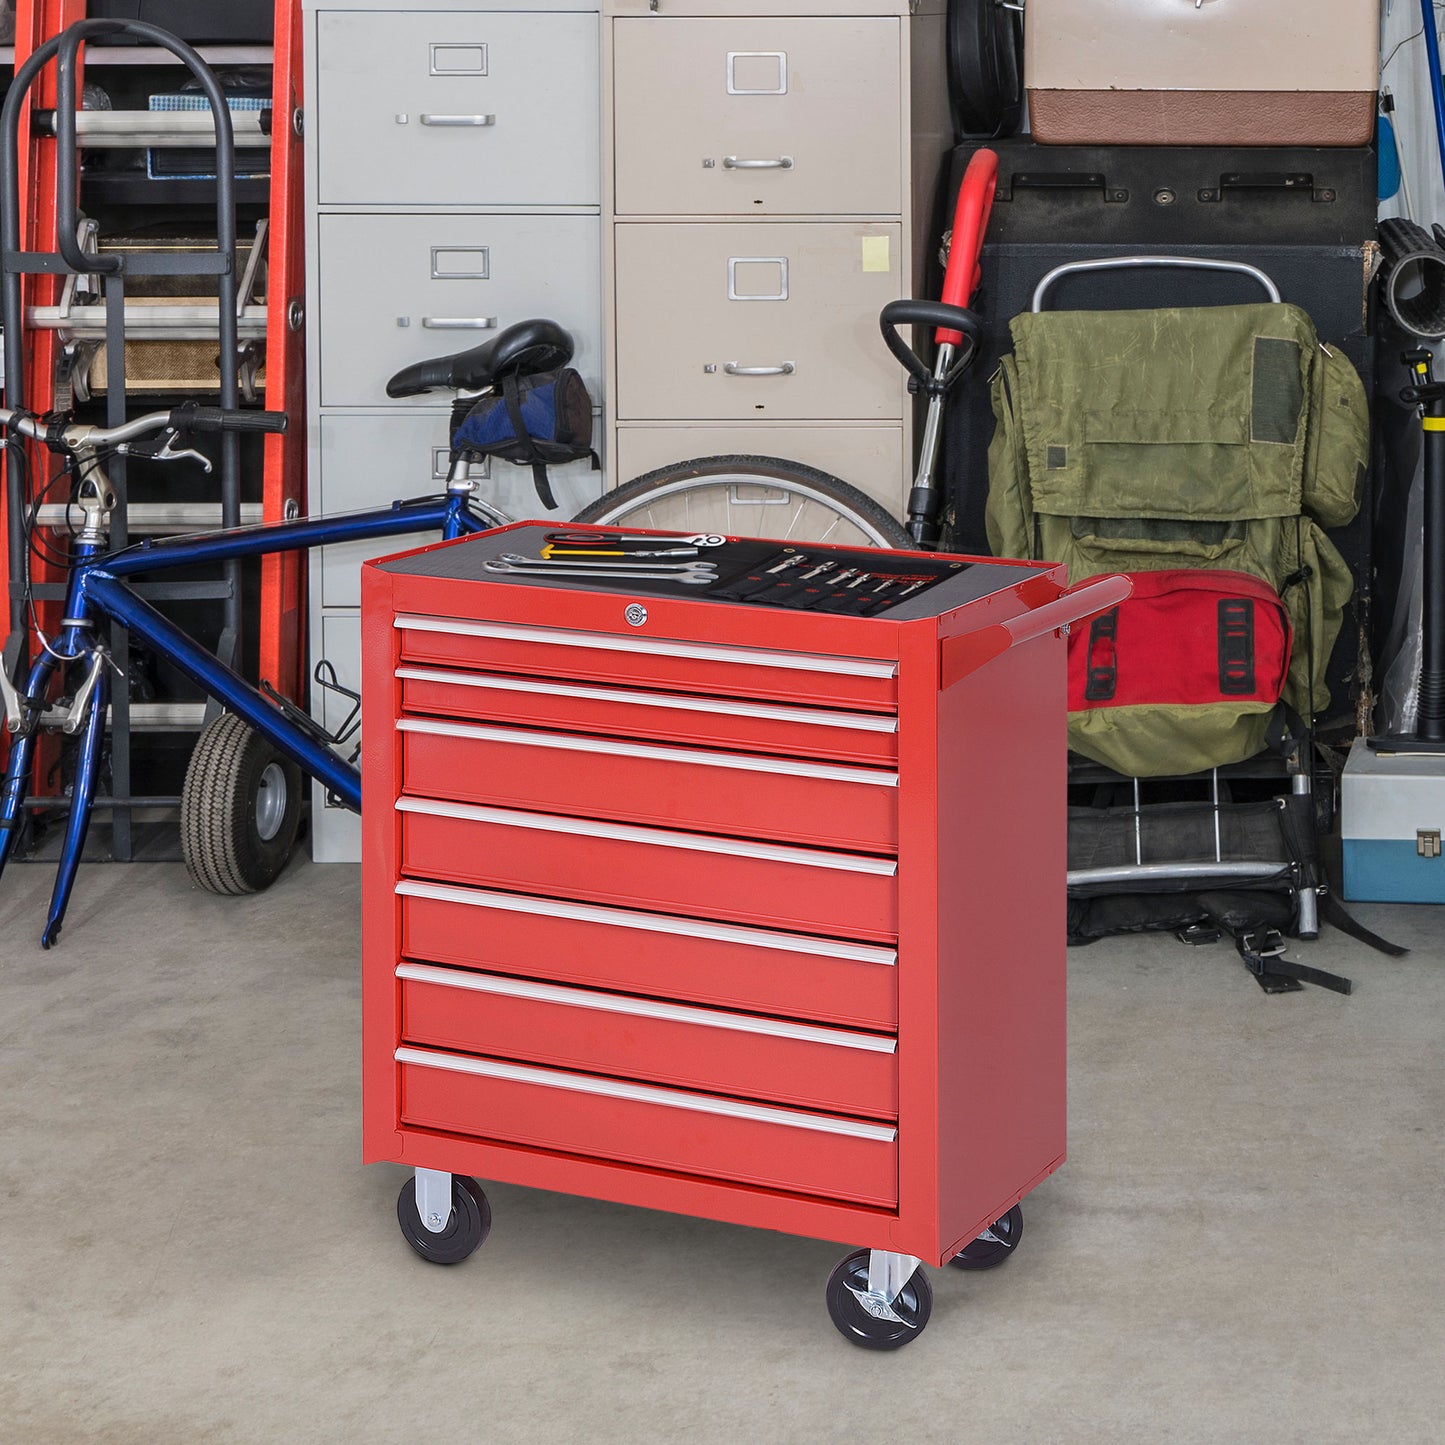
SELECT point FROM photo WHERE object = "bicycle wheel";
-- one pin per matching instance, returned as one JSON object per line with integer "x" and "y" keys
{"x": 750, "y": 497}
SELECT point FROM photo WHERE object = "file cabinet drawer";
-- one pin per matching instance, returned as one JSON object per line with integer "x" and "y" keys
{"x": 826, "y": 805}
{"x": 634, "y": 951}
{"x": 629, "y": 712}
{"x": 772, "y": 321}
{"x": 722, "y": 1053}
{"x": 695, "y": 667}
{"x": 845, "y": 894}
{"x": 658, "y": 1128}
{"x": 418, "y": 107}
{"x": 756, "y": 116}
{"x": 435, "y": 284}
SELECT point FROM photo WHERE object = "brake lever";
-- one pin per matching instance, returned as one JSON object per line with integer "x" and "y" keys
{"x": 160, "y": 449}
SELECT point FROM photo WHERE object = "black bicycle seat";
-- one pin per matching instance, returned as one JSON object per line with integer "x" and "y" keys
{"x": 527, "y": 347}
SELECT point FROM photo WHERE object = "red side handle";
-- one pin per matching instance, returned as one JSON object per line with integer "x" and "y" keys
{"x": 970, "y": 220}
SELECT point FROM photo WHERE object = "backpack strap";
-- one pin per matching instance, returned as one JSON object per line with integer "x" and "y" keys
{"x": 1262, "y": 950}
{"x": 532, "y": 454}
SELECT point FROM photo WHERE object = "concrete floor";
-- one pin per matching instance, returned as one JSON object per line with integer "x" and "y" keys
{"x": 1245, "y": 1244}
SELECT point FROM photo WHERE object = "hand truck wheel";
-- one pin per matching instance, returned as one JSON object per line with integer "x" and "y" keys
{"x": 240, "y": 808}
{"x": 469, "y": 1224}
{"x": 994, "y": 1245}
{"x": 866, "y": 1319}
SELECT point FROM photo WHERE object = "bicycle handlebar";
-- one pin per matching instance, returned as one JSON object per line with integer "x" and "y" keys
{"x": 189, "y": 417}
{"x": 186, "y": 417}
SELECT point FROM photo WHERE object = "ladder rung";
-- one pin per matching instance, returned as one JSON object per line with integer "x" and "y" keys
{"x": 163, "y": 717}
{"x": 154, "y": 519}
{"x": 126, "y": 129}
{"x": 148, "y": 323}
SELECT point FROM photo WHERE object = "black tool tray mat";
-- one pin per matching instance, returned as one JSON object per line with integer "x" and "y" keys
{"x": 745, "y": 573}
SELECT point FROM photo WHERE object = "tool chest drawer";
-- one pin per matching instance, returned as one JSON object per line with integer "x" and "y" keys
{"x": 777, "y": 1060}
{"x": 743, "y": 794}
{"x": 753, "y": 970}
{"x": 631, "y": 712}
{"x": 772, "y": 320}
{"x": 659, "y": 1128}
{"x": 418, "y": 107}
{"x": 643, "y": 661}
{"x": 436, "y": 284}
{"x": 848, "y": 894}
{"x": 769, "y": 106}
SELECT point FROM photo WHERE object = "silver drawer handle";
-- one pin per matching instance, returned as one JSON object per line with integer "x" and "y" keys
{"x": 733, "y": 369}
{"x": 646, "y": 1094}
{"x": 732, "y": 163}
{"x": 454, "y": 120}
{"x": 459, "y": 323}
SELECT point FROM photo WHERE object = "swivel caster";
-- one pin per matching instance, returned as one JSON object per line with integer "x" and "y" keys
{"x": 437, "y": 1239}
{"x": 878, "y": 1300}
{"x": 994, "y": 1245}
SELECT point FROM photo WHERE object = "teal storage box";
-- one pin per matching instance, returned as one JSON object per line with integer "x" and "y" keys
{"x": 1392, "y": 813}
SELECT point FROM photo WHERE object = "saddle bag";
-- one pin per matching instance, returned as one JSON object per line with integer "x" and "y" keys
{"x": 1195, "y": 659}
{"x": 536, "y": 420}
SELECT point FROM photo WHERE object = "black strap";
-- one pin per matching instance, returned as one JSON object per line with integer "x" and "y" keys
{"x": 1103, "y": 660}
{"x": 1236, "y": 646}
{"x": 1262, "y": 950}
{"x": 519, "y": 426}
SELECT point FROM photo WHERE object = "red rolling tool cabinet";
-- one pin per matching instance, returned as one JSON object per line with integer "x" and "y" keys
{"x": 741, "y": 900}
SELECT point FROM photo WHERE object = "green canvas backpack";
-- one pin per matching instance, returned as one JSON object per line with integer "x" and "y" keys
{"x": 1228, "y": 437}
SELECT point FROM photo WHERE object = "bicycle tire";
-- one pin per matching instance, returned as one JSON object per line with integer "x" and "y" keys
{"x": 749, "y": 496}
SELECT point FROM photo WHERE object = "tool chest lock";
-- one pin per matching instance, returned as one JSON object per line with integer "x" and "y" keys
{"x": 741, "y": 900}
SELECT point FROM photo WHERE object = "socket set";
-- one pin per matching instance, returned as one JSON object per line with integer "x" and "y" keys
{"x": 858, "y": 584}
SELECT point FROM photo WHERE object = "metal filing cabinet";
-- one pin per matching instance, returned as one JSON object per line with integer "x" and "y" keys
{"x": 732, "y": 910}
{"x": 452, "y": 189}
{"x": 771, "y": 169}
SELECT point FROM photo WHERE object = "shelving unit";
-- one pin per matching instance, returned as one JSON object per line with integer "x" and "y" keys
{"x": 171, "y": 330}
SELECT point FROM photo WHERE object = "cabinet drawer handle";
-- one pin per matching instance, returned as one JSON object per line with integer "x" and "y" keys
{"x": 732, "y": 163}
{"x": 554, "y": 908}
{"x": 647, "y": 1094}
{"x": 459, "y": 323}
{"x": 456, "y": 120}
{"x": 733, "y": 369}
{"x": 644, "y": 1008}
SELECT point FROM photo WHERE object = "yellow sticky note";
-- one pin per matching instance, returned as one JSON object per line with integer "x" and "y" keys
{"x": 875, "y": 253}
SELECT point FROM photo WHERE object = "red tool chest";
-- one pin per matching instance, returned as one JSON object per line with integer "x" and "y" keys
{"x": 746, "y": 911}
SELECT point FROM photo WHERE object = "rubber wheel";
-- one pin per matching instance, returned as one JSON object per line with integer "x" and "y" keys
{"x": 240, "y": 809}
{"x": 468, "y": 1225}
{"x": 985, "y": 69}
{"x": 913, "y": 1306}
{"x": 743, "y": 496}
{"x": 994, "y": 1245}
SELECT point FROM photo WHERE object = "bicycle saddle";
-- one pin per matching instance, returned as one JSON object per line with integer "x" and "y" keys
{"x": 529, "y": 346}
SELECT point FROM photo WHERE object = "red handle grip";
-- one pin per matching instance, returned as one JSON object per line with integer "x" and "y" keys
{"x": 970, "y": 220}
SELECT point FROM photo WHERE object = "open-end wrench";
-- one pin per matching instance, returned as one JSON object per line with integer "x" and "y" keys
{"x": 602, "y": 539}
{"x": 691, "y": 578}
{"x": 567, "y": 564}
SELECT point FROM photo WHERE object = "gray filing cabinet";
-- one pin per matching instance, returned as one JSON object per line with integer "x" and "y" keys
{"x": 453, "y": 187}
{"x": 770, "y": 170}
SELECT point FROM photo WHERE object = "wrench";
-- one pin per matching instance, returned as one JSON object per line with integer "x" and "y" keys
{"x": 601, "y": 539}
{"x": 691, "y": 577}
{"x": 565, "y": 564}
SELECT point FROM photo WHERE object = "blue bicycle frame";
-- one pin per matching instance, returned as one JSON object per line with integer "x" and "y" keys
{"x": 97, "y": 589}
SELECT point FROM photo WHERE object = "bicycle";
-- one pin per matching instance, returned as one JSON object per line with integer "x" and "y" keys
{"x": 242, "y": 796}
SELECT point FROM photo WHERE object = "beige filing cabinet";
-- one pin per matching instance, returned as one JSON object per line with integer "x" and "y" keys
{"x": 770, "y": 171}
{"x": 453, "y": 188}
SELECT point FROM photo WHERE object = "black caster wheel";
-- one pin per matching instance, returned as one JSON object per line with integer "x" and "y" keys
{"x": 468, "y": 1226}
{"x": 994, "y": 1245}
{"x": 913, "y": 1307}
